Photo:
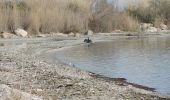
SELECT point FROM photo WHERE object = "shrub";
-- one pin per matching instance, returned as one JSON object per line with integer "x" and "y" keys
{"x": 102, "y": 16}
{"x": 161, "y": 8}
{"x": 156, "y": 12}
{"x": 142, "y": 14}
{"x": 126, "y": 22}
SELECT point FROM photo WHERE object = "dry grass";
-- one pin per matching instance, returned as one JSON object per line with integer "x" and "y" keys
{"x": 158, "y": 21}
{"x": 45, "y": 15}
{"x": 126, "y": 22}
{"x": 151, "y": 11}
{"x": 102, "y": 16}
{"x": 107, "y": 18}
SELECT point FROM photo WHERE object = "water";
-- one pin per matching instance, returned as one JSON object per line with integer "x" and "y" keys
{"x": 145, "y": 61}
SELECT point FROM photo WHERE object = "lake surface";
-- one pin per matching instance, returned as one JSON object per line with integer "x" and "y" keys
{"x": 145, "y": 61}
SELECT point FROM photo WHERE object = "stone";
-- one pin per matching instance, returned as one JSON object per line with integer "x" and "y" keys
{"x": 21, "y": 32}
{"x": 117, "y": 31}
{"x": 78, "y": 35}
{"x": 5, "y": 35}
{"x": 39, "y": 90}
{"x": 71, "y": 34}
{"x": 163, "y": 27}
{"x": 145, "y": 26}
{"x": 62, "y": 34}
{"x": 40, "y": 35}
{"x": 7, "y": 93}
{"x": 152, "y": 29}
{"x": 90, "y": 32}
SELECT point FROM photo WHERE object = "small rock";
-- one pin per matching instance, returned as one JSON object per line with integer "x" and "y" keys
{"x": 118, "y": 31}
{"x": 71, "y": 34}
{"x": 145, "y": 26}
{"x": 129, "y": 34}
{"x": 152, "y": 29}
{"x": 92, "y": 90}
{"x": 163, "y": 27}
{"x": 40, "y": 35}
{"x": 78, "y": 35}
{"x": 90, "y": 32}
{"x": 62, "y": 34}
{"x": 21, "y": 32}
{"x": 5, "y": 35}
{"x": 39, "y": 90}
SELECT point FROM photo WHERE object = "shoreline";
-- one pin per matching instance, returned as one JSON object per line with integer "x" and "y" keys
{"x": 118, "y": 81}
{"x": 122, "y": 82}
{"x": 65, "y": 77}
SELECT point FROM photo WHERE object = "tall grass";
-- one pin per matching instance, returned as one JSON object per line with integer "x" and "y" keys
{"x": 107, "y": 18}
{"x": 156, "y": 11}
{"x": 126, "y": 22}
{"x": 102, "y": 16}
{"x": 45, "y": 15}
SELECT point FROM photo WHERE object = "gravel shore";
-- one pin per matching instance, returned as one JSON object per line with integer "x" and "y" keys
{"x": 25, "y": 65}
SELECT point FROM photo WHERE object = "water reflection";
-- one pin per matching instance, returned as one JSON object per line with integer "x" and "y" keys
{"x": 141, "y": 60}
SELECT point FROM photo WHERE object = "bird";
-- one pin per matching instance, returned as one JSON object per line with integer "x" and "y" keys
{"x": 88, "y": 40}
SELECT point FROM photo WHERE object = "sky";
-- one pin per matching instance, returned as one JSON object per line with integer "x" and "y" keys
{"x": 121, "y": 3}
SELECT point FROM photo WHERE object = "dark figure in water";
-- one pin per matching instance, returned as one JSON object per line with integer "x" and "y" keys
{"x": 88, "y": 40}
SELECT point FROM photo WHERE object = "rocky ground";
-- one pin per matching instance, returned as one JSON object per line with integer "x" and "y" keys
{"x": 25, "y": 65}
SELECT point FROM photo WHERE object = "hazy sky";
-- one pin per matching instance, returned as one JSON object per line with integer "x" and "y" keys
{"x": 120, "y": 3}
{"x": 123, "y": 3}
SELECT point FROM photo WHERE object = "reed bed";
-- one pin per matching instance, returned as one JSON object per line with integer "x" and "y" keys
{"x": 45, "y": 15}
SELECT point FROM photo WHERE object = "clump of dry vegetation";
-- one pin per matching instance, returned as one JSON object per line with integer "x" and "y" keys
{"x": 65, "y": 16}
{"x": 151, "y": 11}
{"x": 107, "y": 17}
{"x": 126, "y": 22}
{"x": 102, "y": 16}
{"x": 45, "y": 15}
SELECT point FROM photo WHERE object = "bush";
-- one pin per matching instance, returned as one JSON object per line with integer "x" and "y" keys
{"x": 102, "y": 16}
{"x": 142, "y": 15}
{"x": 161, "y": 8}
{"x": 126, "y": 22}
{"x": 156, "y": 12}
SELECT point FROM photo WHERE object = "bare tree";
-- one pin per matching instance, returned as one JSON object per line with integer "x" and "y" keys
{"x": 102, "y": 15}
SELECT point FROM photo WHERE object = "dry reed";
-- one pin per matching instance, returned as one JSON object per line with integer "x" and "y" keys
{"x": 45, "y": 15}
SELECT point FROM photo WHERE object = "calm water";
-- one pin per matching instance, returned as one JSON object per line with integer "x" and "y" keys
{"x": 145, "y": 61}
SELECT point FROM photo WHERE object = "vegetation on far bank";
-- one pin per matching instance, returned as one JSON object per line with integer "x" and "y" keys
{"x": 45, "y": 16}
{"x": 154, "y": 12}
